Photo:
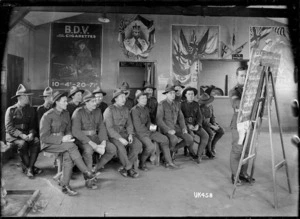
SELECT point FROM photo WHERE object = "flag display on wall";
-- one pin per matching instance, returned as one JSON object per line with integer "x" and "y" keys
{"x": 190, "y": 44}
{"x": 136, "y": 37}
{"x": 75, "y": 55}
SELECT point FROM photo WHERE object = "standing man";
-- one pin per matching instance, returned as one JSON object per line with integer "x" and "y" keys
{"x": 178, "y": 88}
{"x": 151, "y": 102}
{"x": 90, "y": 133}
{"x": 235, "y": 95}
{"x": 76, "y": 96}
{"x": 119, "y": 126}
{"x": 194, "y": 119}
{"x": 129, "y": 101}
{"x": 56, "y": 137}
{"x": 171, "y": 122}
{"x": 141, "y": 121}
{"x": 99, "y": 94}
{"x": 47, "y": 95}
{"x": 20, "y": 128}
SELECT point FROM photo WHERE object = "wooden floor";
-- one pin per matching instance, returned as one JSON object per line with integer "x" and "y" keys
{"x": 194, "y": 190}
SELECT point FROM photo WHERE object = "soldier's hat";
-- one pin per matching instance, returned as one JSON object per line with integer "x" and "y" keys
{"x": 178, "y": 83}
{"x": 125, "y": 87}
{"x": 187, "y": 89}
{"x": 116, "y": 93}
{"x": 47, "y": 92}
{"x": 98, "y": 90}
{"x": 74, "y": 90}
{"x": 169, "y": 88}
{"x": 205, "y": 99}
{"x": 21, "y": 91}
{"x": 87, "y": 96}
{"x": 58, "y": 95}
{"x": 148, "y": 85}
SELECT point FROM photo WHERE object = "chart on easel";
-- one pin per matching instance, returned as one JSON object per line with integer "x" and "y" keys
{"x": 258, "y": 95}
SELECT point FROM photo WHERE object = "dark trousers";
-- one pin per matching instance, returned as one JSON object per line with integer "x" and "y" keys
{"x": 28, "y": 151}
{"x": 236, "y": 153}
{"x": 203, "y": 135}
{"x": 70, "y": 155}
{"x": 149, "y": 147}
{"x": 187, "y": 140}
{"x": 214, "y": 136}
{"x": 88, "y": 151}
{"x": 134, "y": 149}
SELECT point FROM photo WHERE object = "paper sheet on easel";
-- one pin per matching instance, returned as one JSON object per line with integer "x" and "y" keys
{"x": 242, "y": 128}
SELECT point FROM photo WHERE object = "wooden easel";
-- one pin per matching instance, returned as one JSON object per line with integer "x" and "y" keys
{"x": 263, "y": 98}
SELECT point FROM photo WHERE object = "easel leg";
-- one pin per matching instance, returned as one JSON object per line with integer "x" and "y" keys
{"x": 281, "y": 138}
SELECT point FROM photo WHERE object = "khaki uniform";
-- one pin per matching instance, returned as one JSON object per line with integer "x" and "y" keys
{"x": 152, "y": 106}
{"x": 193, "y": 116}
{"x": 22, "y": 120}
{"x": 88, "y": 126}
{"x": 118, "y": 123}
{"x": 102, "y": 106}
{"x": 169, "y": 117}
{"x": 141, "y": 122}
{"x": 235, "y": 96}
{"x": 54, "y": 125}
{"x": 72, "y": 107}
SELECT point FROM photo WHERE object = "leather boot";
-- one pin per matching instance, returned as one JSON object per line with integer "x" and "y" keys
{"x": 90, "y": 184}
{"x": 88, "y": 175}
{"x": 69, "y": 191}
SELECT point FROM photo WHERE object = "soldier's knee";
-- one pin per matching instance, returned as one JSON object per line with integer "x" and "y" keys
{"x": 110, "y": 148}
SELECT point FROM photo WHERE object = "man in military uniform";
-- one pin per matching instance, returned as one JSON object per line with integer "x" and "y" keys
{"x": 56, "y": 137}
{"x": 99, "y": 94}
{"x": 178, "y": 88}
{"x": 119, "y": 126}
{"x": 76, "y": 95}
{"x": 141, "y": 122}
{"x": 20, "y": 128}
{"x": 214, "y": 130}
{"x": 171, "y": 122}
{"x": 129, "y": 101}
{"x": 47, "y": 95}
{"x": 235, "y": 96}
{"x": 90, "y": 133}
{"x": 193, "y": 118}
{"x": 151, "y": 102}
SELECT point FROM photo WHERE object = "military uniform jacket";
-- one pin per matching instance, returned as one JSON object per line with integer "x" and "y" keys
{"x": 208, "y": 115}
{"x": 40, "y": 112}
{"x": 85, "y": 120}
{"x": 54, "y": 121}
{"x": 192, "y": 113}
{"x": 152, "y": 106}
{"x": 235, "y": 96}
{"x": 117, "y": 121}
{"x": 169, "y": 115}
{"x": 141, "y": 120}
{"x": 16, "y": 116}
{"x": 102, "y": 106}
{"x": 129, "y": 103}
{"x": 71, "y": 107}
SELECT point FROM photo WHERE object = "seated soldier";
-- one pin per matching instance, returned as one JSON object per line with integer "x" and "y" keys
{"x": 214, "y": 130}
{"x": 141, "y": 122}
{"x": 151, "y": 102}
{"x": 129, "y": 101}
{"x": 171, "y": 122}
{"x": 47, "y": 95}
{"x": 119, "y": 126}
{"x": 90, "y": 133}
{"x": 193, "y": 119}
{"x": 99, "y": 94}
{"x": 20, "y": 128}
{"x": 76, "y": 96}
{"x": 55, "y": 132}
{"x": 178, "y": 89}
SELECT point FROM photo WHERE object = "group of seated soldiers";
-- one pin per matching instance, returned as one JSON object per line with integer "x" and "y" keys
{"x": 128, "y": 129}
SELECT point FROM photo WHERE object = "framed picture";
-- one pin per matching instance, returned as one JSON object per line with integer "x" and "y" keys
{"x": 190, "y": 44}
{"x": 75, "y": 58}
